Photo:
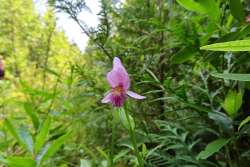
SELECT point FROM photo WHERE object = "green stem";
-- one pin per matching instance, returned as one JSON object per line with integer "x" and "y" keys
{"x": 132, "y": 136}
{"x": 112, "y": 142}
{"x": 230, "y": 163}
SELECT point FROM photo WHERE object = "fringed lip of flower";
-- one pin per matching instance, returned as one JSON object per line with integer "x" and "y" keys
{"x": 119, "y": 81}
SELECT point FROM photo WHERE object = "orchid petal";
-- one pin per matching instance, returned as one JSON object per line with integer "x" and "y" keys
{"x": 118, "y": 75}
{"x": 107, "y": 98}
{"x": 135, "y": 95}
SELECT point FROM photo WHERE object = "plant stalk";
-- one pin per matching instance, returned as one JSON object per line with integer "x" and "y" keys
{"x": 112, "y": 142}
{"x": 132, "y": 136}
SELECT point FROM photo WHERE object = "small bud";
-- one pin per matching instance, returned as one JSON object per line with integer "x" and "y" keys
{"x": 1, "y": 69}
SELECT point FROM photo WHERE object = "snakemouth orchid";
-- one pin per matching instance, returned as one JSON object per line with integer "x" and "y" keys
{"x": 119, "y": 81}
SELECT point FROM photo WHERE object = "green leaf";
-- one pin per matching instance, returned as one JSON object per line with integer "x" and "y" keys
{"x": 12, "y": 130}
{"x": 102, "y": 153}
{"x": 42, "y": 135}
{"x": 30, "y": 111}
{"x": 212, "y": 148}
{"x": 183, "y": 55}
{"x": 85, "y": 163}
{"x": 5, "y": 144}
{"x": 236, "y": 77}
{"x": 144, "y": 150}
{"x": 124, "y": 121}
{"x": 245, "y": 121}
{"x": 232, "y": 102}
{"x": 239, "y": 45}
{"x": 3, "y": 160}
{"x": 26, "y": 138}
{"x": 21, "y": 162}
{"x": 209, "y": 7}
{"x": 153, "y": 75}
{"x": 52, "y": 148}
{"x": 192, "y": 6}
{"x": 50, "y": 71}
{"x": 22, "y": 135}
{"x": 237, "y": 9}
{"x": 120, "y": 155}
{"x": 212, "y": 9}
{"x": 221, "y": 119}
{"x": 46, "y": 94}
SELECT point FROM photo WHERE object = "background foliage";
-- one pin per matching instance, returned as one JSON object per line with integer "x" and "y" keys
{"x": 197, "y": 107}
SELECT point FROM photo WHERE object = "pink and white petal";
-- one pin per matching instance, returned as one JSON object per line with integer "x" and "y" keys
{"x": 135, "y": 95}
{"x": 118, "y": 75}
{"x": 107, "y": 98}
{"x": 117, "y": 62}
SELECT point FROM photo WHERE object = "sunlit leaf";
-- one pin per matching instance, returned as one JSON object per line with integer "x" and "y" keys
{"x": 21, "y": 162}
{"x": 240, "y": 45}
{"x": 31, "y": 112}
{"x": 209, "y": 7}
{"x": 245, "y": 121}
{"x": 42, "y": 135}
{"x": 52, "y": 148}
{"x": 192, "y": 5}
{"x": 232, "y": 102}
{"x": 5, "y": 144}
{"x": 22, "y": 135}
{"x": 212, "y": 9}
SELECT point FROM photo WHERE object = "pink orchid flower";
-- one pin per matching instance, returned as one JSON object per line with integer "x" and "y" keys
{"x": 119, "y": 81}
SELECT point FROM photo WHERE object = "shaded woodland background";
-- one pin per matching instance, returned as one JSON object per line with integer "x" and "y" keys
{"x": 50, "y": 105}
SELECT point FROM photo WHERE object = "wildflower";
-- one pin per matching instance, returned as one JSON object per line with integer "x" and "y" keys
{"x": 1, "y": 69}
{"x": 119, "y": 81}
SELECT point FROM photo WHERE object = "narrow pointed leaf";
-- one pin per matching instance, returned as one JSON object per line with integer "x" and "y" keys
{"x": 212, "y": 148}
{"x": 183, "y": 55}
{"x": 20, "y": 162}
{"x": 52, "y": 148}
{"x": 209, "y": 7}
{"x": 245, "y": 121}
{"x": 231, "y": 76}
{"x": 22, "y": 135}
{"x": 240, "y": 45}
{"x": 26, "y": 138}
{"x": 212, "y": 9}
{"x": 30, "y": 111}
{"x": 124, "y": 121}
{"x": 42, "y": 135}
{"x": 192, "y": 6}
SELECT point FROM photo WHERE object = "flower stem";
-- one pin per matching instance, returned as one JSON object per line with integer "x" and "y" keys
{"x": 112, "y": 142}
{"x": 132, "y": 136}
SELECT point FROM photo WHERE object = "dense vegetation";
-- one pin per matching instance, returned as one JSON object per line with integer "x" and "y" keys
{"x": 189, "y": 58}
